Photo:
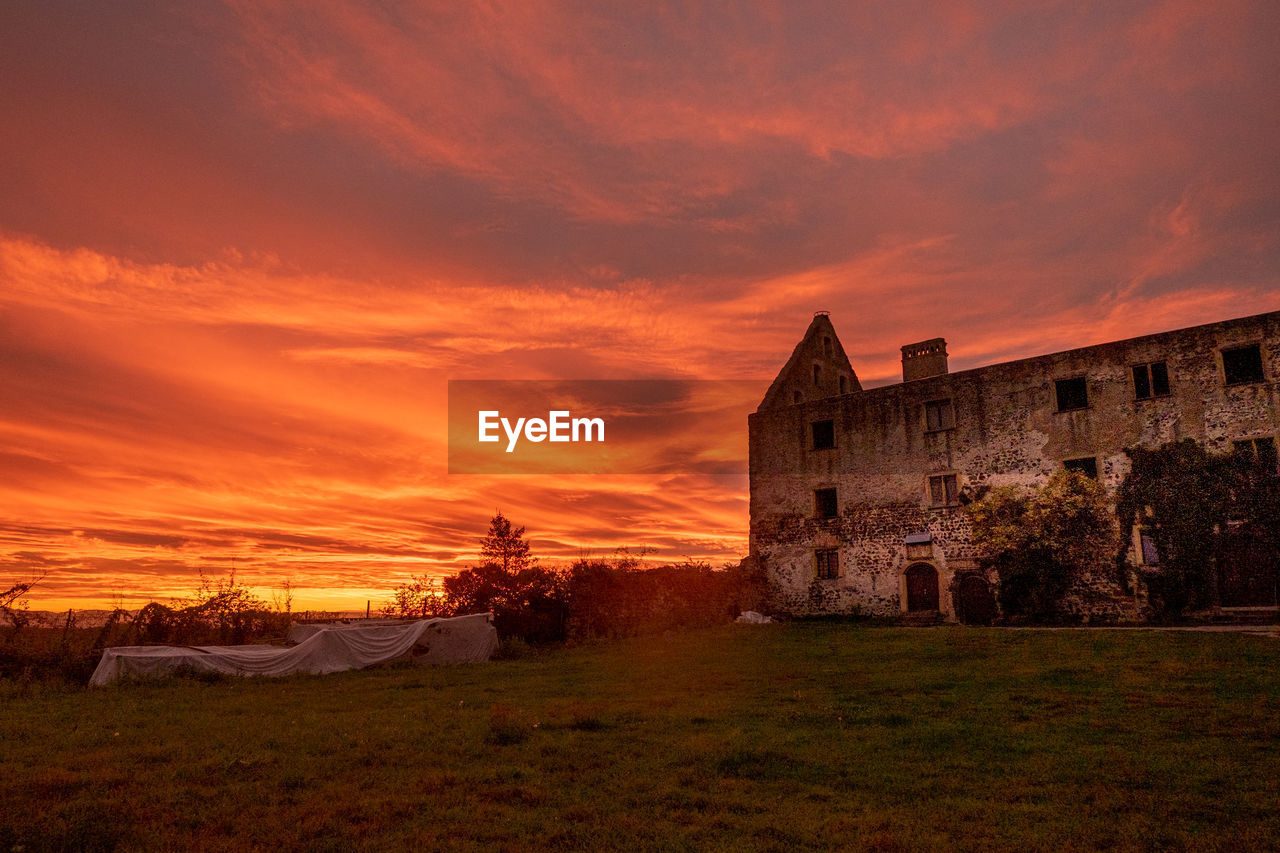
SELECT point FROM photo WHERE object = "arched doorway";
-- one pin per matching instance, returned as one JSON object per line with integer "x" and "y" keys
{"x": 922, "y": 588}
{"x": 976, "y": 605}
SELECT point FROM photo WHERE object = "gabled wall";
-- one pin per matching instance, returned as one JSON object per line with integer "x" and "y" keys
{"x": 818, "y": 369}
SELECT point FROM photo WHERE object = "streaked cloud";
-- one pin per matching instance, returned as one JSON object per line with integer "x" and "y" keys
{"x": 244, "y": 246}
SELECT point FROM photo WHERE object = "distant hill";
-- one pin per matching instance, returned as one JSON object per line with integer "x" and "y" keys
{"x": 83, "y": 618}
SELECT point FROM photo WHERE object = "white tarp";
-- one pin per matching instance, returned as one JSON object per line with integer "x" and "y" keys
{"x": 750, "y": 617}
{"x": 333, "y": 648}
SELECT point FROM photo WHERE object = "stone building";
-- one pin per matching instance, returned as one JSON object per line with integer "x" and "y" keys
{"x": 857, "y": 494}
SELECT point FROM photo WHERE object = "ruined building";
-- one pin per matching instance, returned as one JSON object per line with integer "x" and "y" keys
{"x": 857, "y": 494}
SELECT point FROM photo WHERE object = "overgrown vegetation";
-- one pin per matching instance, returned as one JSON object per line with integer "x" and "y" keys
{"x": 801, "y": 736}
{"x": 13, "y": 604}
{"x": 220, "y": 611}
{"x": 418, "y": 599}
{"x": 1042, "y": 543}
{"x": 619, "y": 598}
{"x": 593, "y": 598}
{"x": 1204, "y": 511}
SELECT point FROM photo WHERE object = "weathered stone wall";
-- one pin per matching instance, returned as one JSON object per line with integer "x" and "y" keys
{"x": 1007, "y": 431}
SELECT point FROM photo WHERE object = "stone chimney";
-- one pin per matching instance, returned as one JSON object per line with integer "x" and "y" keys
{"x": 925, "y": 359}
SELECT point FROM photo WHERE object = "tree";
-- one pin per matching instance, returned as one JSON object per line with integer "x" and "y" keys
{"x": 527, "y": 600}
{"x": 504, "y": 547}
{"x": 13, "y": 602}
{"x": 417, "y": 599}
{"x": 1043, "y": 542}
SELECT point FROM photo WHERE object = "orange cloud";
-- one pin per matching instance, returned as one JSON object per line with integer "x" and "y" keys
{"x": 241, "y": 254}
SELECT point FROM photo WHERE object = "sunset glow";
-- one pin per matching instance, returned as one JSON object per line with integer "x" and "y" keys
{"x": 244, "y": 247}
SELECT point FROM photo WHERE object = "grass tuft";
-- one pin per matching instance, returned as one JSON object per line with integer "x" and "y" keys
{"x": 508, "y": 726}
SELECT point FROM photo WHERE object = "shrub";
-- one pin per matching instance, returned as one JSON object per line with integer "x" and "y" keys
{"x": 1044, "y": 542}
{"x": 618, "y": 599}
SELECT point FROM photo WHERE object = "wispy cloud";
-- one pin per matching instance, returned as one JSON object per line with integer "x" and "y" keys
{"x": 243, "y": 248}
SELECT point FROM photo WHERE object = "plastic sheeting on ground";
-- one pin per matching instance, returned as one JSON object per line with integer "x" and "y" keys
{"x": 332, "y": 648}
{"x": 750, "y": 617}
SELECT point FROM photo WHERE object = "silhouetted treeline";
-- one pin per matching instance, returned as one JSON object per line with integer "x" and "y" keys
{"x": 601, "y": 598}
{"x": 609, "y": 599}
{"x": 593, "y": 598}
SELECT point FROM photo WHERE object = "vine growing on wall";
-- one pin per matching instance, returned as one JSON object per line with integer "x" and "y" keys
{"x": 1189, "y": 501}
{"x": 1042, "y": 542}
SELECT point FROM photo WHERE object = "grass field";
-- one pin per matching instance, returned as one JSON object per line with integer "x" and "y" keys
{"x": 808, "y": 735}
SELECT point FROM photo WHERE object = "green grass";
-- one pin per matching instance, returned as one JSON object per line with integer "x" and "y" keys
{"x": 778, "y": 737}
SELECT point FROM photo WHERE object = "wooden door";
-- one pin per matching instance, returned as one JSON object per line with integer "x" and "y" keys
{"x": 977, "y": 606}
{"x": 922, "y": 588}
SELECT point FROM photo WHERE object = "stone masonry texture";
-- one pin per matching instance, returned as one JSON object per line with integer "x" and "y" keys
{"x": 1007, "y": 429}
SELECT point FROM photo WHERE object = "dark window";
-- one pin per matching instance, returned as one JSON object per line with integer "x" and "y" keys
{"x": 826, "y": 346}
{"x": 943, "y": 490}
{"x": 824, "y": 501}
{"x": 939, "y": 414}
{"x": 817, "y": 373}
{"x": 795, "y": 396}
{"x": 828, "y": 561}
{"x": 1072, "y": 394}
{"x": 1087, "y": 466}
{"x": 1242, "y": 364}
{"x": 824, "y": 434}
{"x": 1150, "y": 380}
{"x": 1262, "y": 449}
{"x": 844, "y": 384}
{"x": 1150, "y": 556}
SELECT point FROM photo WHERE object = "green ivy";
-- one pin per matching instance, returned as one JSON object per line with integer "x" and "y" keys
{"x": 1187, "y": 498}
{"x": 1039, "y": 542}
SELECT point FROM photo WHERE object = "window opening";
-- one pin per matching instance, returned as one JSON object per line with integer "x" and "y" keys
{"x": 944, "y": 490}
{"x": 828, "y": 563}
{"x": 1150, "y": 380}
{"x": 1072, "y": 394}
{"x": 1087, "y": 465}
{"x": 824, "y": 501}
{"x": 1242, "y": 364}
{"x": 939, "y": 415}
{"x": 824, "y": 434}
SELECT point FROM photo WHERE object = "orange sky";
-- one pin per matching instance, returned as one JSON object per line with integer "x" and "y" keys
{"x": 243, "y": 248}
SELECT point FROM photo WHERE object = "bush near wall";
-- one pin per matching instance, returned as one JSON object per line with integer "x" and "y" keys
{"x": 1053, "y": 550}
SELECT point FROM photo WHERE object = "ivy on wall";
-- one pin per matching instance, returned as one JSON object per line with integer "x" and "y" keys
{"x": 1041, "y": 542}
{"x": 1193, "y": 502}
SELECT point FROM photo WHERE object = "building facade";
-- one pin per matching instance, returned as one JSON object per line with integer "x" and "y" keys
{"x": 857, "y": 494}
